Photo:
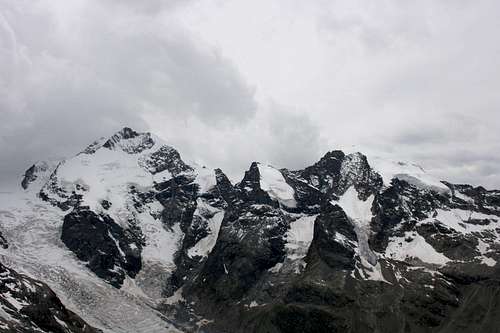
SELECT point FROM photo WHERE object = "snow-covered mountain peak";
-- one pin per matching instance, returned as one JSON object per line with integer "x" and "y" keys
{"x": 130, "y": 141}
{"x": 409, "y": 172}
{"x": 108, "y": 168}
{"x": 127, "y": 140}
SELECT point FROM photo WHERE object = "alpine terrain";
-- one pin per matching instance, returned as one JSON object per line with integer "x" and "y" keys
{"x": 126, "y": 236}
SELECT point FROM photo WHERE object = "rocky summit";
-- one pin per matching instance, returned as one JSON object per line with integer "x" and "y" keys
{"x": 126, "y": 236}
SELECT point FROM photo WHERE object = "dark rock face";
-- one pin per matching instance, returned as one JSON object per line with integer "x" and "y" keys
{"x": 38, "y": 171}
{"x": 249, "y": 190}
{"x": 325, "y": 174}
{"x": 3, "y": 242}
{"x": 335, "y": 293}
{"x": 452, "y": 244}
{"x": 29, "y": 176}
{"x": 224, "y": 189}
{"x": 166, "y": 158}
{"x": 178, "y": 197}
{"x": 111, "y": 252}
{"x": 325, "y": 300}
{"x": 336, "y": 172}
{"x": 334, "y": 239}
{"x": 401, "y": 205}
{"x": 246, "y": 247}
{"x": 31, "y": 306}
{"x": 250, "y": 240}
{"x": 309, "y": 198}
{"x": 478, "y": 311}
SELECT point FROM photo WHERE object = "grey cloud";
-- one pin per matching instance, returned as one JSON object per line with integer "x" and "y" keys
{"x": 150, "y": 7}
{"x": 295, "y": 140}
{"x": 415, "y": 81}
{"x": 430, "y": 74}
{"x": 278, "y": 135}
{"x": 422, "y": 136}
{"x": 70, "y": 75}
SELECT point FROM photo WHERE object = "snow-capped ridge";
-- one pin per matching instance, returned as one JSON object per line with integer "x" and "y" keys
{"x": 130, "y": 141}
{"x": 410, "y": 172}
{"x": 127, "y": 140}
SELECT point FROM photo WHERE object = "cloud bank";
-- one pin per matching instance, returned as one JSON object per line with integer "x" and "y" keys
{"x": 228, "y": 82}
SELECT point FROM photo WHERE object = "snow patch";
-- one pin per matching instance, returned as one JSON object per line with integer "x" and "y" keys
{"x": 7, "y": 296}
{"x": 409, "y": 172}
{"x": 273, "y": 182}
{"x": 253, "y": 304}
{"x": 205, "y": 178}
{"x": 462, "y": 196}
{"x": 205, "y": 245}
{"x": 60, "y": 322}
{"x": 457, "y": 219}
{"x": 399, "y": 249}
{"x": 372, "y": 272}
{"x": 161, "y": 243}
{"x": 355, "y": 208}
{"x": 300, "y": 236}
{"x": 360, "y": 214}
{"x": 484, "y": 249}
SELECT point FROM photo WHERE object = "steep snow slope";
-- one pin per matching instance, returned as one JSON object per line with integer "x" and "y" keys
{"x": 32, "y": 228}
{"x": 273, "y": 182}
{"x": 205, "y": 245}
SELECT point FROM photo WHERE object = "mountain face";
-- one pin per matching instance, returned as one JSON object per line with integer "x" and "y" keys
{"x": 132, "y": 238}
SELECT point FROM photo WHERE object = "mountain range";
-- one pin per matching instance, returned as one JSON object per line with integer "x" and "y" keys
{"x": 126, "y": 236}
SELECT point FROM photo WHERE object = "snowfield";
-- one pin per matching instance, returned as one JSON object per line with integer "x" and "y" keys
{"x": 33, "y": 228}
{"x": 273, "y": 182}
{"x": 410, "y": 172}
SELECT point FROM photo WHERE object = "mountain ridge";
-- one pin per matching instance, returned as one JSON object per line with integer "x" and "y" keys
{"x": 280, "y": 251}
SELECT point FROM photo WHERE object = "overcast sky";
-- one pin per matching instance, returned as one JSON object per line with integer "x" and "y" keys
{"x": 229, "y": 82}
